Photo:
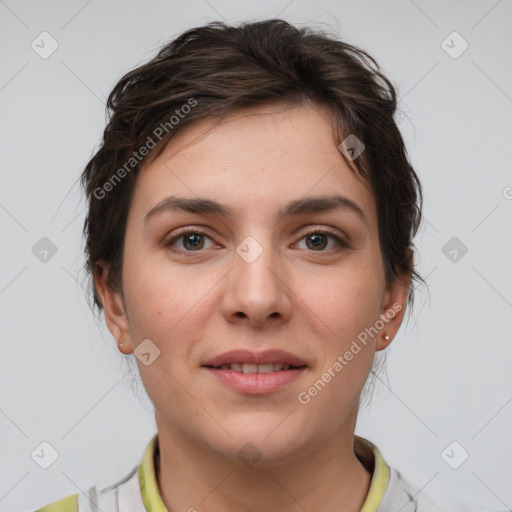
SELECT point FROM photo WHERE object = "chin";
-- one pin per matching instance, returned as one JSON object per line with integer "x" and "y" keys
{"x": 261, "y": 439}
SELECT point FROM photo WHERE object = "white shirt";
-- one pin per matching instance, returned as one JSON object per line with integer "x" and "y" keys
{"x": 138, "y": 491}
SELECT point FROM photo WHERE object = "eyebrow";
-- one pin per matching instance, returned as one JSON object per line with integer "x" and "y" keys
{"x": 303, "y": 206}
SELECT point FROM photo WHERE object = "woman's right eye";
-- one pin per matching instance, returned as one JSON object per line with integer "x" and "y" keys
{"x": 192, "y": 240}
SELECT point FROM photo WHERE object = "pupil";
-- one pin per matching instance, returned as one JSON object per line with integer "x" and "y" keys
{"x": 195, "y": 243}
{"x": 316, "y": 240}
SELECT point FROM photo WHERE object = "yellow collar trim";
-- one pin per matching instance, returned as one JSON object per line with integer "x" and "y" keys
{"x": 153, "y": 501}
{"x": 380, "y": 478}
{"x": 147, "y": 480}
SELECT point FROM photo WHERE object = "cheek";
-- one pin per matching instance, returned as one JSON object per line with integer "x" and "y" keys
{"x": 349, "y": 305}
{"x": 157, "y": 299}
{"x": 348, "y": 300}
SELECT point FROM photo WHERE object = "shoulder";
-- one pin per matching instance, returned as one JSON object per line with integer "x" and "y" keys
{"x": 124, "y": 494}
{"x": 400, "y": 493}
{"x": 389, "y": 490}
{"x": 67, "y": 504}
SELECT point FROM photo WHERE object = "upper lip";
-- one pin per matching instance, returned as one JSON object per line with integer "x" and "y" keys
{"x": 247, "y": 356}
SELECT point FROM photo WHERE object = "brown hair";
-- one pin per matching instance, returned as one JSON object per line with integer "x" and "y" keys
{"x": 216, "y": 70}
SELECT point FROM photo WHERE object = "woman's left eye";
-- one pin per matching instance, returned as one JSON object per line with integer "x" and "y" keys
{"x": 316, "y": 240}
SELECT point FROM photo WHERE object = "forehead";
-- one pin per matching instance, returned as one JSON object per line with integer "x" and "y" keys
{"x": 257, "y": 160}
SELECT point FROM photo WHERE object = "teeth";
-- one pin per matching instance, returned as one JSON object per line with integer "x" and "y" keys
{"x": 265, "y": 368}
{"x": 255, "y": 368}
{"x": 249, "y": 368}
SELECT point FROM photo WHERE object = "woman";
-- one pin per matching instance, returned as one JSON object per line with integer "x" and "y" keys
{"x": 250, "y": 240}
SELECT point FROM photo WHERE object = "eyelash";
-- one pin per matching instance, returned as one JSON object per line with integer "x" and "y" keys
{"x": 312, "y": 231}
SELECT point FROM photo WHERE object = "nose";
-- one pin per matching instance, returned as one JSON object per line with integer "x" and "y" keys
{"x": 257, "y": 292}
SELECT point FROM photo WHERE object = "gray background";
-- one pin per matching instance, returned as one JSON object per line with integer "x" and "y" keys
{"x": 449, "y": 378}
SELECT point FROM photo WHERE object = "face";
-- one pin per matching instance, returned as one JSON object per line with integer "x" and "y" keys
{"x": 261, "y": 268}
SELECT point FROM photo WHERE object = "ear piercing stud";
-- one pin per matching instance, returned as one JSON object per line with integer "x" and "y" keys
{"x": 386, "y": 337}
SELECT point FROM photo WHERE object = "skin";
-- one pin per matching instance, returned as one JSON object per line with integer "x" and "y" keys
{"x": 311, "y": 301}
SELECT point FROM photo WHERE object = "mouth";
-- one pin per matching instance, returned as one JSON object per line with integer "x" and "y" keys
{"x": 247, "y": 361}
{"x": 256, "y": 373}
{"x": 256, "y": 368}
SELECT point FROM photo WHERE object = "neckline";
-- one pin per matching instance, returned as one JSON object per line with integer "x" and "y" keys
{"x": 367, "y": 453}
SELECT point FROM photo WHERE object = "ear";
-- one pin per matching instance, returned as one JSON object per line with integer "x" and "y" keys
{"x": 393, "y": 310}
{"x": 114, "y": 308}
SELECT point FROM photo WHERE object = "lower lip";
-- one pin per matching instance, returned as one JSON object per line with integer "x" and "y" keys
{"x": 257, "y": 383}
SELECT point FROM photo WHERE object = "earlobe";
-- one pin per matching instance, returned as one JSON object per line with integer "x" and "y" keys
{"x": 114, "y": 309}
{"x": 393, "y": 311}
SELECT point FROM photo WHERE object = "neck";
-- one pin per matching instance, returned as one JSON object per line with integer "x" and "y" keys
{"x": 327, "y": 477}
